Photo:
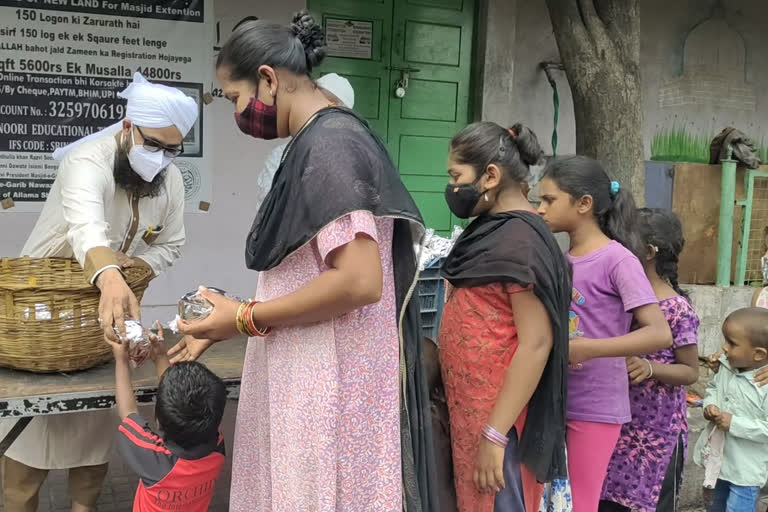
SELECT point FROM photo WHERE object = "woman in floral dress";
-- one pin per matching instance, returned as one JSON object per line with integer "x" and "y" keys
{"x": 334, "y": 334}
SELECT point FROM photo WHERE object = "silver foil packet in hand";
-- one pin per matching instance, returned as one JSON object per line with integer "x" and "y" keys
{"x": 193, "y": 306}
{"x": 138, "y": 340}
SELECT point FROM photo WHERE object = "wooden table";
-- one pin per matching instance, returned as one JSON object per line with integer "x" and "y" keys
{"x": 25, "y": 395}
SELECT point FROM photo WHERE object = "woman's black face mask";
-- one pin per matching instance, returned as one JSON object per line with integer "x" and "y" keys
{"x": 462, "y": 199}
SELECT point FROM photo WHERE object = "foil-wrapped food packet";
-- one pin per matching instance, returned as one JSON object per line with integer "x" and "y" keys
{"x": 138, "y": 340}
{"x": 193, "y": 306}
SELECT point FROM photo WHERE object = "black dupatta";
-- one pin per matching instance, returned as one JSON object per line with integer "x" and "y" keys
{"x": 335, "y": 166}
{"x": 517, "y": 247}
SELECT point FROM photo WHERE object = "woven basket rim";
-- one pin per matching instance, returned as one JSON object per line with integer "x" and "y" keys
{"x": 133, "y": 275}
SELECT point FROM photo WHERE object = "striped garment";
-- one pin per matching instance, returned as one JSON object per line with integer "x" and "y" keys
{"x": 170, "y": 477}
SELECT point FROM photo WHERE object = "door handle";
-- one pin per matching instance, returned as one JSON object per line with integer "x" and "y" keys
{"x": 403, "y": 69}
{"x": 401, "y": 86}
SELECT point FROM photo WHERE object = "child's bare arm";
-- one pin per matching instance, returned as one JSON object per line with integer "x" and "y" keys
{"x": 158, "y": 351}
{"x": 161, "y": 362}
{"x": 124, "y": 396}
{"x": 683, "y": 372}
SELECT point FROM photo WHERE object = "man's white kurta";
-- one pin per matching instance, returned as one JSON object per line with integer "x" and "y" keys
{"x": 86, "y": 210}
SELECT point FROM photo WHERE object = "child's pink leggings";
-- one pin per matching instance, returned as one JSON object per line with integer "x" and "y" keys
{"x": 590, "y": 446}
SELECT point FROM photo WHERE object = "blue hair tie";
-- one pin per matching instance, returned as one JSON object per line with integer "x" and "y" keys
{"x": 614, "y": 188}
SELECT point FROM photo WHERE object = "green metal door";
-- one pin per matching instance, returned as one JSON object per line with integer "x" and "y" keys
{"x": 429, "y": 42}
{"x": 435, "y": 38}
{"x": 369, "y": 76}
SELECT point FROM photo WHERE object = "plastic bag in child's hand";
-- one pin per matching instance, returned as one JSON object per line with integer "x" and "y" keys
{"x": 193, "y": 306}
{"x": 137, "y": 338}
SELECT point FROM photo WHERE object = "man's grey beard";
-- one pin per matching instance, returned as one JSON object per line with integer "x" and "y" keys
{"x": 129, "y": 180}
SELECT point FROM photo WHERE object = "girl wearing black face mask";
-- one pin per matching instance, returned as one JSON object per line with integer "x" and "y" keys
{"x": 504, "y": 333}
{"x": 321, "y": 422}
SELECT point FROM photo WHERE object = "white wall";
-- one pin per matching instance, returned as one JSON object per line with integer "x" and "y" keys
{"x": 531, "y": 97}
{"x": 664, "y": 28}
{"x": 730, "y": 91}
{"x": 214, "y": 253}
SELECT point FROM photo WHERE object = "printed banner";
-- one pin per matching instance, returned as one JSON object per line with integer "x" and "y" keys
{"x": 62, "y": 63}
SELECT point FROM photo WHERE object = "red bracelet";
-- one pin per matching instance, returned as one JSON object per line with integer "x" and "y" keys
{"x": 250, "y": 325}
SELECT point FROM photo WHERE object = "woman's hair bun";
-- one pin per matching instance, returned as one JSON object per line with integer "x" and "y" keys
{"x": 311, "y": 36}
{"x": 527, "y": 144}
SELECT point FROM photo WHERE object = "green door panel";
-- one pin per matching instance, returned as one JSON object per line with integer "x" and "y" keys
{"x": 368, "y": 77}
{"x": 433, "y": 39}
{"x": 430, "y": 43}
{"x": 429, "y": 100}
{"x": 420, "y": 155}
{"x": 432, "y": 206}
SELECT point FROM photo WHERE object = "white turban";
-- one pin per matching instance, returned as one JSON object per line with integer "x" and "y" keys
{"x": 149, "y": 106}
{"x": 339, "y": 87}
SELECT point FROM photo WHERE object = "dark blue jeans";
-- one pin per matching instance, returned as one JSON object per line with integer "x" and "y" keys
{"x": 734, "y": 498}
{"x": 510, "y": 499}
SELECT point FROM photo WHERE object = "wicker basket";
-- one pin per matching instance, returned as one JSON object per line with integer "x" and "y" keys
{"x": 49, "y": 314}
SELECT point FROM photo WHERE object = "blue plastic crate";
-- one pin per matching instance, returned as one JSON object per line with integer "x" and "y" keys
{"x": 428, "y": 286}
{"x": 431, "y": 299}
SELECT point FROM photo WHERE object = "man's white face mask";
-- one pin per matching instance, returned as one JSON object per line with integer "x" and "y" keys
{"x": 146, "y": 163}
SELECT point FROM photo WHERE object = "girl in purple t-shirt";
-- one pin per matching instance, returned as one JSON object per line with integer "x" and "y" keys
{"x": 610, "y": 292}
{"x": 647, "y": 466}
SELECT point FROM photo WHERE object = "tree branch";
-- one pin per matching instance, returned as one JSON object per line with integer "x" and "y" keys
{"x": 570, "y": 33}
{"x": 564, "y": 15}
{"x": 563, "y": 9}
{"x": 594, "y": 25}
{"x": 622, "y": 18}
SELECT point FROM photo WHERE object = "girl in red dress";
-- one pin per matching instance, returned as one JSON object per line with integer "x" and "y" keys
{"x": 504, "y": 335}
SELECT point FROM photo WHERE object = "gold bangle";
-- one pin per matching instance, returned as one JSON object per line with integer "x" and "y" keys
{"x": 239, "y": 320}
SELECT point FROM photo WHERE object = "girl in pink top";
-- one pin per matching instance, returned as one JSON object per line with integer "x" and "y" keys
{"x": 610, "y": 292}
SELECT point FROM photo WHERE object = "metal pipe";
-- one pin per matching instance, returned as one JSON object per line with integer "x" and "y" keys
{"x": 725, "y": 226}
{"x": 548, "y": 67}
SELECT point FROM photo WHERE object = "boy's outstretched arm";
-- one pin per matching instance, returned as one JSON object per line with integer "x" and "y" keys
{"x": 124, "y": 396}
{"x": 158, "y": 352}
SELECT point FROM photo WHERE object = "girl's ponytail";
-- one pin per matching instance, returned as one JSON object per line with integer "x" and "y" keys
{"x": 620, "y": 222}
{"x": 613, "y": 206}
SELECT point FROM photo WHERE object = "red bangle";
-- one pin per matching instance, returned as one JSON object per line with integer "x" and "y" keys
{"x": 249, "y": 323}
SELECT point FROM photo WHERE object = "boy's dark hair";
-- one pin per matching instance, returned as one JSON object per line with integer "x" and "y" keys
{"x": 486, "y": 143}
{"x": 616, "y": 214}
{"x": 298, "y": 48}
{"x": 662, "y": 229}
{"x": 190, "y": 404}
{"x": 755, "y": 322}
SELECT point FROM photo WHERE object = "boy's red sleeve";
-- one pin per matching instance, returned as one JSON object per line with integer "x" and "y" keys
{"x": 143, "y": 450}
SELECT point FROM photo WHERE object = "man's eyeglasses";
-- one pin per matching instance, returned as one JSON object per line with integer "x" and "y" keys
{"x": 154, "y": 145}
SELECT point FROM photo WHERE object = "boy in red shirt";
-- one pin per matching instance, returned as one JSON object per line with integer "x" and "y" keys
{"x": 177, "y": 470}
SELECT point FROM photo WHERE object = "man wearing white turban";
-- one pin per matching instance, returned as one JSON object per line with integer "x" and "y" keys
{"x": 117, "y": 201}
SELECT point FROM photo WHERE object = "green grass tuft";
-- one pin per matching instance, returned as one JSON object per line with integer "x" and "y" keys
{"x": 679, "y": 145}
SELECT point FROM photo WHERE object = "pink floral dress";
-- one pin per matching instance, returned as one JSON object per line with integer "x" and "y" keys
{"x": 318, "y": 421}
